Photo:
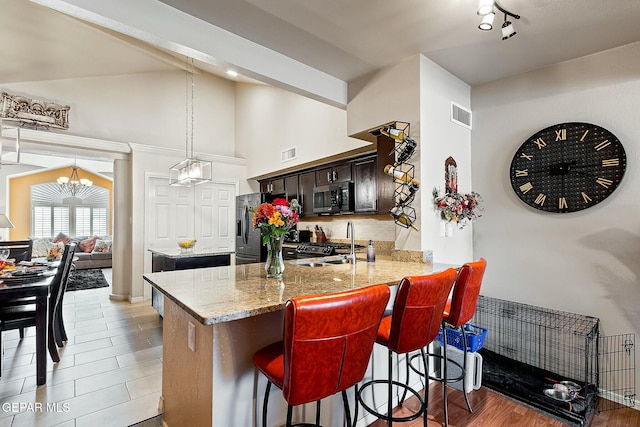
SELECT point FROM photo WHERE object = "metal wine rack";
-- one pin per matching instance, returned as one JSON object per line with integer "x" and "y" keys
{"x": 403, "y": 173}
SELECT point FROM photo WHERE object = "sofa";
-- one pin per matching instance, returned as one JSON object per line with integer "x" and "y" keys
{"x": 91, "y": 251}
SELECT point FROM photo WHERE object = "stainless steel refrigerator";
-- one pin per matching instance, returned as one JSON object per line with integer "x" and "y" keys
{"x": 249, "y": 246}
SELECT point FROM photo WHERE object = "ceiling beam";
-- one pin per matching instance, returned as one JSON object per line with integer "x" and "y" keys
{"x": 161, "y": 25}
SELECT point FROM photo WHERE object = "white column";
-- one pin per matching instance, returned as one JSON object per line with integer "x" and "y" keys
{"x": 122, "y": 214}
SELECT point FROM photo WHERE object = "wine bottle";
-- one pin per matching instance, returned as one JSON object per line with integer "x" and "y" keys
{"x": 402, "y": 218}
{"x": 393, "y": 133}
{"x": 407, "y": 150}
{"x": 399, "y": 175}
{"x": 406, "y": 197}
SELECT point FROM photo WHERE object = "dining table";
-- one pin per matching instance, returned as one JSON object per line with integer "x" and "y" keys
{"x": 37, "y": 287}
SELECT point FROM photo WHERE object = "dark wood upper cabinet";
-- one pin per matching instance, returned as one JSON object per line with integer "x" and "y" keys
{"x": 273, "y": 186}
{"x": 336, "y": 173}
{"x": 385, "y": 185}
{"x": 365, "y": 187}
{"x": 372, "y": 187}
{"x": 291, "y": 187}
{"x": 306, "y": 183}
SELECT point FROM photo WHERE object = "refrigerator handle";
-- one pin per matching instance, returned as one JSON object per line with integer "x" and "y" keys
{"x": 245, "y": 232}
{"x": 238, "y": 228}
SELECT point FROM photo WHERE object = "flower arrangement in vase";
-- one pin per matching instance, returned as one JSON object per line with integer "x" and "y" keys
{"x": 54, "y": 253}
{"x": 457, "y": 207}
{"x": 274, "y": 220}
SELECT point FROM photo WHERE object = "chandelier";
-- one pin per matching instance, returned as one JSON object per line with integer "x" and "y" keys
{"x": 190, "y": 171}
{"x": 74, "y": 184}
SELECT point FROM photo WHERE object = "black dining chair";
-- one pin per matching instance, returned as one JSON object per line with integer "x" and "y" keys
{"x": 19, "y": 250}
{"x": 60, "y": 334}
{"x": 22, "y": 313}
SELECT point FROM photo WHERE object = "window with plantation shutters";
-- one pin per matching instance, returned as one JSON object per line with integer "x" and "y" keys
{"x": 60, "y": 220}
{"x": 83, "y": 221}
{"x": 53, "y": 211}
{"x": 41, "y": 221}
{"x": 99, "y": 221}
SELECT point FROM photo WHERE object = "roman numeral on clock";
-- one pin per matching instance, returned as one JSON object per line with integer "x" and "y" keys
{"x": 584, "y": 135}
{"x": 602, "y": 145}
{"x": 525, "y": 188}
{"x": 540, "y": 199}
{"x": 562, "y": 203}
{"x": 610, "y": 162}
{"x": 561, "y": 134}
{"x": 526, "y": 156}
{"x": 585, "y": 197}
{"x": 540, "y": 143}
{"x": 524, "y": 172}
{"x": 604, "y": 182}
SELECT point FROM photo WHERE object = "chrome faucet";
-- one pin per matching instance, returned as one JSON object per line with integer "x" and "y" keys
{"x": 352, "y": 254}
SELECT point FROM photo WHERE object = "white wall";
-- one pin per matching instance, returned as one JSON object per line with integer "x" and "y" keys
{"x": 420, "y": 92}
{"x": 146, "y": 108}
{"x": 583, "y": 262}
{"x": 392, "y": 94}
{"x": 270, "y": 120}
{"x": 441, "y": 138}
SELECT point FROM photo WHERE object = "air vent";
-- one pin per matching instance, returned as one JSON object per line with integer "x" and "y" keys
{"x": 289, "y": 154}
{"x": 460, "y": 115}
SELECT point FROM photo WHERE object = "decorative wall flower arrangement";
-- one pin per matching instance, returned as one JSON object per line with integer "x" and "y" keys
{"x": 454, "y": 206}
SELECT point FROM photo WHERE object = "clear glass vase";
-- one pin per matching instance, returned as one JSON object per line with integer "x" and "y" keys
{"x": 275, "y": 263}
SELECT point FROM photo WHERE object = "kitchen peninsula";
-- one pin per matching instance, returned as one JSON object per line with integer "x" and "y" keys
{"x": 216, "y": 318}
{"x": 178, "y": 259}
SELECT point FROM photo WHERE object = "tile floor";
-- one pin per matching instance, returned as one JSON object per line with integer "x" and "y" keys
{"x": 109, "y": 374}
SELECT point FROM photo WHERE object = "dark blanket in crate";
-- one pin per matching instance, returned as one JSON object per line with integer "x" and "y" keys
{"x": 527, "y": 383}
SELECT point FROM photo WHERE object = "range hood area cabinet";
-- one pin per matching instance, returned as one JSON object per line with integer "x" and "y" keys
{"x": 373, "y": 188}
{"x": 334, "y": 174}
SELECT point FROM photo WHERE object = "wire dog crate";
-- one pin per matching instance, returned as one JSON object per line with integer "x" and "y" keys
{"x": 554, "y": 361}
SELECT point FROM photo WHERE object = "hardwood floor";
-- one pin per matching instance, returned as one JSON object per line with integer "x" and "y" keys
{"x": 491, "y": 409}
{"x": 110, "y": 374}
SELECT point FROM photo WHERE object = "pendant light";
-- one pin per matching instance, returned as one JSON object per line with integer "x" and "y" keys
{"x": 190, "y": 171}
{"x": 9, "y": 144}
{"x": 74, "y": 184}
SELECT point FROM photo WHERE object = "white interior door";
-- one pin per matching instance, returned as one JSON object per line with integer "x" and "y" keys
{"x": 169, "y": 214}
{"x": 205, "y": 212}
{"x": 215, "y": 221}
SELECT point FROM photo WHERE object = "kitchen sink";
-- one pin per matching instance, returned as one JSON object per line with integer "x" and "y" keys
{"x": 307, "y": 263}
{"x": 321, "y": 262}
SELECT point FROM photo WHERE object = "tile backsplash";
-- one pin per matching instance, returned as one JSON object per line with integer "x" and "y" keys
{"x": 374, "y": 227}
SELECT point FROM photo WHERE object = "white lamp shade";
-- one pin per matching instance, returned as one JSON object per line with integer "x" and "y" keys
{"x": 487, "y": 22}
{"x": 507, "y": 30}
{"x": 5, "y": 222}
{"x": 485, "y": 7}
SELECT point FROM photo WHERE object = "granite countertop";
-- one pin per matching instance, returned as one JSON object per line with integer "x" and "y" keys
{"x": 222, "y": 294}
{"x": 194, "y": 252}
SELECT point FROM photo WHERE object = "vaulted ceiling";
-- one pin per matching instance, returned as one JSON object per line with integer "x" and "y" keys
{"x": 344, "y": 39}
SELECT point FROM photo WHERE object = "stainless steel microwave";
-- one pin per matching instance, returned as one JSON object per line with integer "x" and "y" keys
{"x": 333, "y": 198}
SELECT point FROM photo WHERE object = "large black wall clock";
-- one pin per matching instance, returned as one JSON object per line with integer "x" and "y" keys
{"x": 568, "y": 167}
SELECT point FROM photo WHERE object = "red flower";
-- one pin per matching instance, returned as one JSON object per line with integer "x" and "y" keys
{"x": 280, "y": 202}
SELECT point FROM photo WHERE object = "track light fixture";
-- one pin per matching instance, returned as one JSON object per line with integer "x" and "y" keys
{"x": 486, "y": 10}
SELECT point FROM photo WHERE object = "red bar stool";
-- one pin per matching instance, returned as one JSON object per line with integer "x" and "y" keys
{"x": 327, "y": 344}
{"x": 459, "y": 310}
{"x": 413, "y": 325}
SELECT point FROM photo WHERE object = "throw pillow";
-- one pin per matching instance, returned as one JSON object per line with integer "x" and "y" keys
{"x": 40, "y": 247}
{"x": 102, "y": 246}
{"x": 88, "y": 244}
{"x": 61, "y": 237}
